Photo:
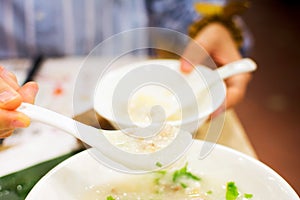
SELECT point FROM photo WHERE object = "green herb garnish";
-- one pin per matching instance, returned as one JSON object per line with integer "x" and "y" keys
{"x": 160, "y": 175}
{"x": 110, "y": 198}
{"x": 231, "y": 191}
{"x": 158, "y": 164}
{"x": 209, "y": 192}
{"x": 248, "y": 196}
{"x": 162, "y": 172}
{"x": 183, "y": 185}
{"x": 184, "y": 173}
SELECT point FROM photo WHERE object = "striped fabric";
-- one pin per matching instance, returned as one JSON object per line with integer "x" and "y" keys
{"x": 75, "y": 27}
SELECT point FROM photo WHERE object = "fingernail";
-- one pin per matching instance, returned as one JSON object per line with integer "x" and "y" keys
{"x": 218, "y": 112}
{"x": 21, "y": 122}
{"x": 35, "y": 89}
{"x": 6, "y": 96}
{"x": 186, "y": 67}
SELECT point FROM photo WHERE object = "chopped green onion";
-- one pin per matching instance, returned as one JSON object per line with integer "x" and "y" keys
{"x": 162, "y": 172}
{"x": 183, "y": 185}
{"x": 158, "y": 164}
{"x": 160, "y": 175}
{"x": 209, "y": 192}
{"x": 183, "y": 172}
{"x": 231, "y": 191}
{"x": 110, "y": 198}
{"x": 248, "y": 196}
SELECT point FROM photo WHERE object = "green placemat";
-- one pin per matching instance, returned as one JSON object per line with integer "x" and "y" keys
{"x": 17, "y": 185}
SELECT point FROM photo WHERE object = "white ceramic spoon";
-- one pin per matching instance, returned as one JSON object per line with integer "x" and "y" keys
{"x": 106, "y": 152}
{"x": 212, "y": 77}
{"x": 237, "y": 67}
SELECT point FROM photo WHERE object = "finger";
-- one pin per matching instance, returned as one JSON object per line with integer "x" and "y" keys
{"x": 234, "y": 95}
{"x": 194, "y": 54}
{"x": 28, "y": 92}
{"x": 5, "y": 133}
{"x": 10, "y": 99}
{"x": 220, "y": 110}
{"x": 9, "y": 78}
{"x": 236, "y": 88}
{"x": 13, "y": 119}
{"x": 185, "y": 66}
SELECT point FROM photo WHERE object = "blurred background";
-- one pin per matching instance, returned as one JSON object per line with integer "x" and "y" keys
{"x": 270, "y": 113}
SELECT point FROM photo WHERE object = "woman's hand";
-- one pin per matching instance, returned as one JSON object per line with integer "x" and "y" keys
{"x": 217, "y": 41}
{"x": 11, "y": 96}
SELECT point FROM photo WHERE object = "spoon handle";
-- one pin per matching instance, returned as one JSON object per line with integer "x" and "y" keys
{"x": 106, "y": 152}
{"x": 241, "y": 66}
{"x": 49, "y": 117}
{"x": 87, "y": 134}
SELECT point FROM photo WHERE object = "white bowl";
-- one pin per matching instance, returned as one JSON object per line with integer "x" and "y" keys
{"x": 78, "y": 175}
{"x": 114, "y": 107}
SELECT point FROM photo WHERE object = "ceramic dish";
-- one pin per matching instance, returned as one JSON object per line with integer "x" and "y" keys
{"x": 170, "y": 89}
{"x": 77, "y": 177}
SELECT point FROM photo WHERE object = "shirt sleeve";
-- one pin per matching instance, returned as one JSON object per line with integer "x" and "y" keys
{"x": 173, "y": 14}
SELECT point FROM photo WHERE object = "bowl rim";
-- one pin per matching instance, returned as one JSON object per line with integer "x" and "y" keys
{"x": 66, "y": 163}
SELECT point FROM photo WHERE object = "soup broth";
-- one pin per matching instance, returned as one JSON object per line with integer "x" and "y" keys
{"x": 162, "y": 185}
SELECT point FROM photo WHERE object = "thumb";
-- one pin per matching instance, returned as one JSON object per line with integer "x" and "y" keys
{"x": 28, "y": 92}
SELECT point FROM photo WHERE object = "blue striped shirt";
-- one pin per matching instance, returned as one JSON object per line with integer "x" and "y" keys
{"x": 75, "y": 27}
